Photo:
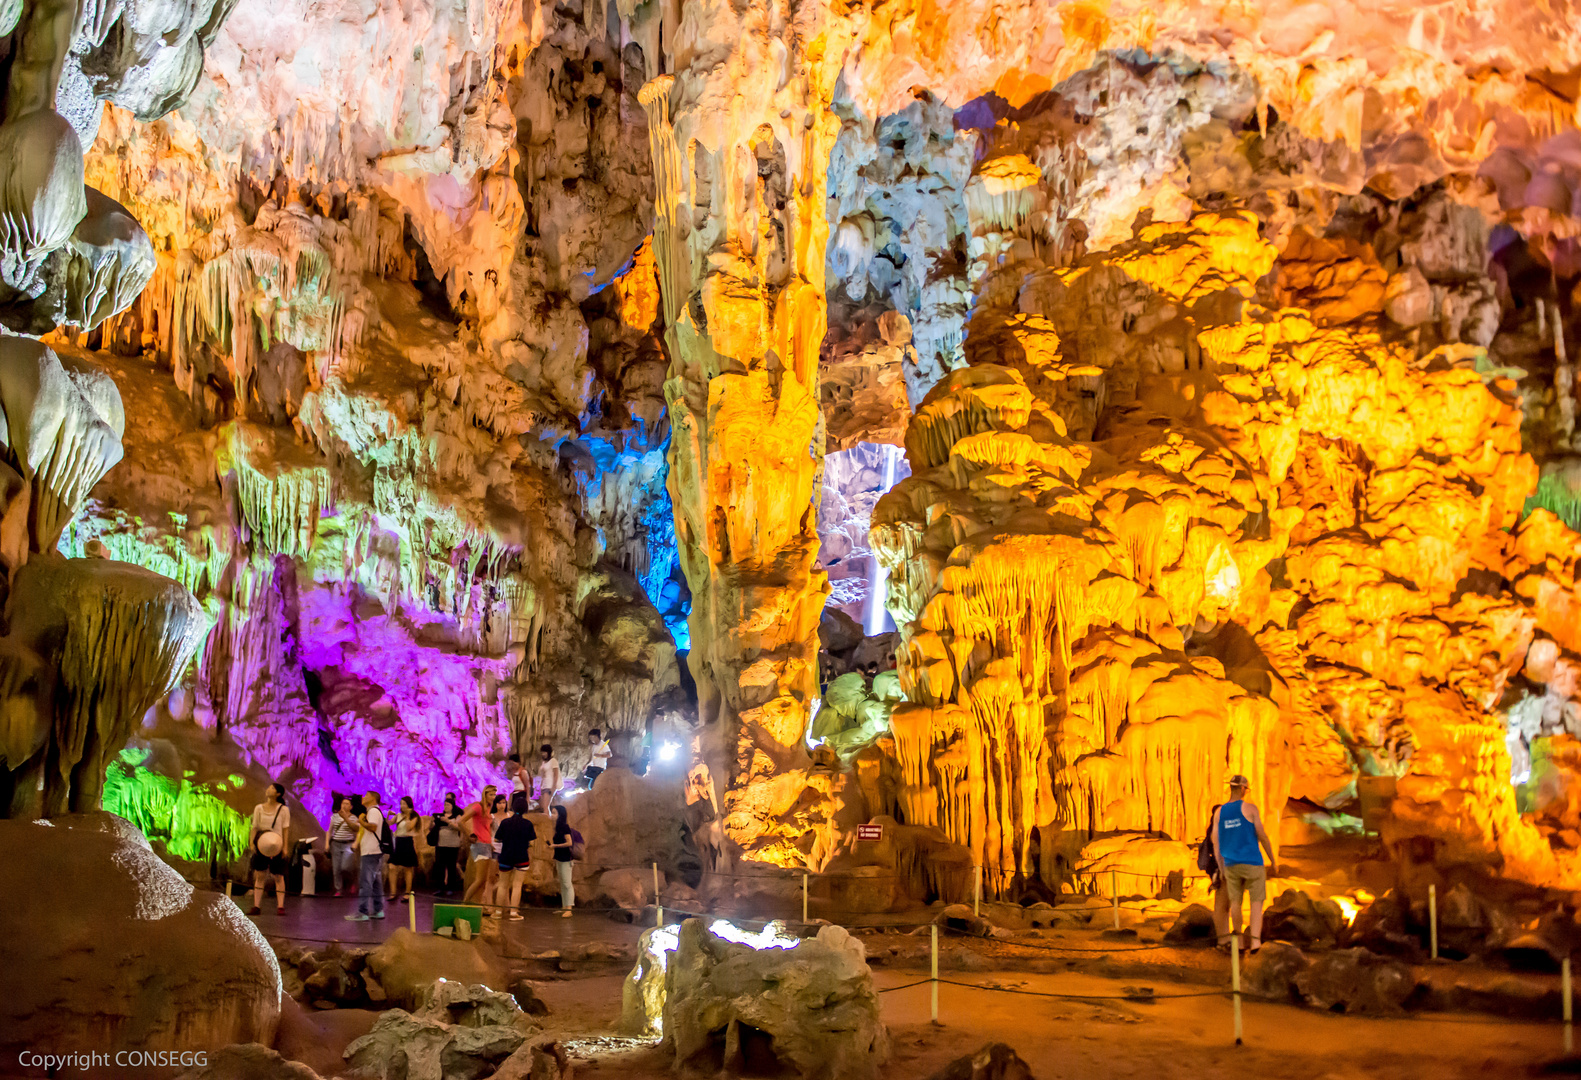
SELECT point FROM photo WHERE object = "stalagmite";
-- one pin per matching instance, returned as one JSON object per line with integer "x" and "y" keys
{"x": 740, "y": 233}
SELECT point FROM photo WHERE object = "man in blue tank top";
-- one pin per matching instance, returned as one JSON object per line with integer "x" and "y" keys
{"x": 1237, "y": 834}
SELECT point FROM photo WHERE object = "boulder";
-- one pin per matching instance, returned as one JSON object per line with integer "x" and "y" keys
{"x": 959, "y": 917}
{"x": 93, "y": 920}
{"x": 404, "y": 1047}
{"x": 528, "y": 998}
{"x": 1297, "y": 918}
{"x": 996, "y": 1061}
{"x": 1271, "y": 971}
{"x": 1383, "y": 927}
{"x": 318, "y": 1038}
{"x": 472, "y": 1006}
{"x": 837, "y": 631}
{"x": 626, "y": 821}
{"x": 1194, "y": 923}
{"x": 407, "y": 964}
{"x": 542, "y": 1059}
{"x": 331, "y": 984}
{"x": 643, "y": 993}
{"x": 805, "y": 1006}
{"x": 1355, "y": 981}
{"x": 460, "y": 1033}
{"x": 1042, "y": 914}
{"x": 249, "y": 1061}
{"x": 626, "y": 888}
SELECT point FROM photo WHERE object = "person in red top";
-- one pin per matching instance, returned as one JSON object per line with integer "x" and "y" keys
{"x": 478, "y": 824}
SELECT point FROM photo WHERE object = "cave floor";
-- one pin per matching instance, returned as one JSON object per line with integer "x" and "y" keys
{"x": 1185, "y": 1031}
{"x": 1067, "y": 1040}
{"x": 1070, "y": 1040}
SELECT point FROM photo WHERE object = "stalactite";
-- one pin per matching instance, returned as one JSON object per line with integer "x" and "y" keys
{"x": 124, "y": 636}
{"x": 61, "y": 431}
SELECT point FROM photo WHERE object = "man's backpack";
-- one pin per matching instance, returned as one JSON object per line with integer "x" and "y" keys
{"x": 1206, "y": 861}
{"x": 386, "y": 838}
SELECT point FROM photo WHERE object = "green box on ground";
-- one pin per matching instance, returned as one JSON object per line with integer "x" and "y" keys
{"x": 450, "y": 914}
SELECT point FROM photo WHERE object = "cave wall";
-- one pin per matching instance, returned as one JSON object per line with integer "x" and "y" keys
{"x": 490, "y": 355}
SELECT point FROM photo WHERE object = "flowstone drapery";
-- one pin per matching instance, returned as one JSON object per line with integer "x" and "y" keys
{"x": 740, "y": 145}
{"x": 1098, "y": 632}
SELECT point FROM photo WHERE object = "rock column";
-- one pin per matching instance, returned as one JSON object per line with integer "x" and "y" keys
{"x": 741, "y": 134}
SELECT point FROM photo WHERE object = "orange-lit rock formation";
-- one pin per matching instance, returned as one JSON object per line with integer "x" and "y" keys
{"x": 741, "y": 134}
{"x": 1278, "y": 555}
{"x": 1231, "y": 351}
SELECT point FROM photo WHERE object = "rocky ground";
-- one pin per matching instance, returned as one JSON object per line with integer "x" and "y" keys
{"x": 1074, "y": 1000}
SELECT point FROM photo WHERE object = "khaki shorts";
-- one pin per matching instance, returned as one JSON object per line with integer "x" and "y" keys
{"x": 1243, "y": 877}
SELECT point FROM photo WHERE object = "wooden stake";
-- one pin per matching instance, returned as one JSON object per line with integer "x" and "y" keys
{"x": 657, "y": 903}
{"x": 933, "y": 937}
{"x": 1235, "y": 982}
{"x": 804, "y": 897}
{"x": 1432, "y": 919}
{"x": 1564, "y": 987}
{"x": 1114, "y": 888}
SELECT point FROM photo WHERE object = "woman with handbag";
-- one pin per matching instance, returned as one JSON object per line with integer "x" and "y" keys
{"x": 269, "y": 842}
{"x": 444, "y": 836}
{"x": 567, "y": 846}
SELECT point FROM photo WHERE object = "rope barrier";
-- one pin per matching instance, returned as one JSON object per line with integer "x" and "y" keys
{"x": 1140, "y": 997}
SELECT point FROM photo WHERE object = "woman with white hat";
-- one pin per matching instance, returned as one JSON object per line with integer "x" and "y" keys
{"x": 271, "y": 831}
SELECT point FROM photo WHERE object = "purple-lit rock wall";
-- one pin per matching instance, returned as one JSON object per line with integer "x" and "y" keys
{"x": 853, "y": 482}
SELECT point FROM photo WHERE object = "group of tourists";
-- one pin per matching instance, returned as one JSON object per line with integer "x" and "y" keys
{"x": 482, "y": 851}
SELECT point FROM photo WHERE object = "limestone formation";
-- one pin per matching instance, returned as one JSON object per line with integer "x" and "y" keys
{"x": 68, "y": 253}
{"x": 737, "y": 1000}
{"x": 459, "y": 1030}
{"x": 739, "y": 236}
{"x": 476, "y": 370}
{"x": 95, "y": 918}
{"x": 1151, "y": 572}
{"x": 407, "y": 965}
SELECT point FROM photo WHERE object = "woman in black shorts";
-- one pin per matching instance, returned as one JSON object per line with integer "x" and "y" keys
{"x": 403, "y": 864}
{"x": 269, "y": 842}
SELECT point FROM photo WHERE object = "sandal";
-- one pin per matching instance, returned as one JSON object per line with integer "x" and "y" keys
{"x": 1257, "y": 943}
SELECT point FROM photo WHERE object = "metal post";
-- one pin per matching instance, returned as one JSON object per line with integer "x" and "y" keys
{"x": 804, "y": 897}
{"x": 1235, "y": 982}
{"x": 1432, "y": 918}
{"x": 1564, "y": 980}
{"x": 411, "y": 911}
{"x": 657, "y": 903}
{"x": 977, "y": 889}
{"x": 1114, "y": 889}
{"x": 933, "y": 936}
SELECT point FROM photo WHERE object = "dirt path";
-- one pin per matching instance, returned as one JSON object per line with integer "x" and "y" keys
{"x": 1118, "y": 1040}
